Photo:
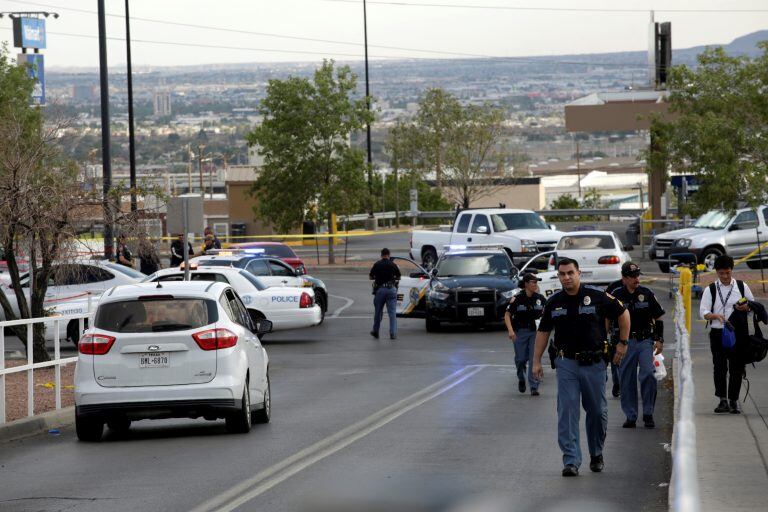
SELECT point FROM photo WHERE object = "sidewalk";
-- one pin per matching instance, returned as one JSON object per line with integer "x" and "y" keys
{"x": 732, "y": 449}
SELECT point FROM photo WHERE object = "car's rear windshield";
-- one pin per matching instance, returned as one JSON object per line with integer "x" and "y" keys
{"x": 586, "y": 242}
{"x": 475, "y": 265}
{"x": 156, "y": 315}
{"x": 511, "y": 221}
{"x": 193, "y": 276}
{"x": 276, "y": 251}
{"x": 217, "y": 263}
{"x": 125, "y": 270}
{"x": 253, "y": 280}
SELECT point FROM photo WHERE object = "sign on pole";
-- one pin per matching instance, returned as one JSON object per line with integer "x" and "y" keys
{"x": 194, "y": 215}
{"x": 35, "y": 64}
{"x": 29, "y": 32}
{"x": 414, "y": 194}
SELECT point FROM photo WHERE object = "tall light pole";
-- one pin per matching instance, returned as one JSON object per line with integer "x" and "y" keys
{"x": 131, "y": 134}
{"x": 109, "y": 241}
{"x": 368, "y": 104}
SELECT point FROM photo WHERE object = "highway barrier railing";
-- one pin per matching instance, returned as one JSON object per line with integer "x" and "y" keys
{"x": 684, "y": 488}
{"x": 55, "y": 323}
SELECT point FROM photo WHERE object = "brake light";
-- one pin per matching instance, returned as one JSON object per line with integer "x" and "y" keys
{"x": 95, "y": 344}
{"x": 609, "y": 260}
{"x": 215, "y": 339}
{"x": 305, "y": 301}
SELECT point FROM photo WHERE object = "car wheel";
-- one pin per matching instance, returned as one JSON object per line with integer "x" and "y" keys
{"x": 433, "y": 325}
{"x": 429, "y": 258}
{"x": 73, "y": 330}
{"x": 323, "y": 303}
{"x": 119, "y": 425}
{"x": 88, "y": 429}
{"x": 664, "y": 267}
{"x": 265, "y": 413}
{"x": 757, "y": 264}
{"x": 240, "y": 422}
{"x": 709, "y": 256}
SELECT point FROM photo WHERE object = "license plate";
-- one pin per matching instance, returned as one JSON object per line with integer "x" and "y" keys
{"x": 475, "y": 312}
{"x": 659, "y": 253}
{"x": 154, "y": 359}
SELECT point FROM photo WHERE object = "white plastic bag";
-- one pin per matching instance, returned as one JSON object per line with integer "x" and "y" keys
{"x": 659, "y": 370}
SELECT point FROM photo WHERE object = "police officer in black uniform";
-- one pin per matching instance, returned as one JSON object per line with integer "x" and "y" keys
{"x": 520, "y": 318}
{"x": 578, "y": 316}
{"x": 385, "y": 275}
{"x": 646, "y": 338}
{"x": 613, "y": 335}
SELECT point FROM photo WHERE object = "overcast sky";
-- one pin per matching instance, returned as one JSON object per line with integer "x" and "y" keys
{"x": 482, "y": 30}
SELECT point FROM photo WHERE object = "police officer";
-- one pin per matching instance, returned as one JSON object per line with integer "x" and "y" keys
{"x": 520, "y": 317}
{"x": 578, "y": 316}
{"x": 646, "y": 338}
{"x": 614, "y": 337}
{"x": 385, "y": 275}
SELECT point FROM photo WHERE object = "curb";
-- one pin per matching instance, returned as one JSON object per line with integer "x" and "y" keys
{"x": 333, "y": 270}
{"x": 39, "y": 424}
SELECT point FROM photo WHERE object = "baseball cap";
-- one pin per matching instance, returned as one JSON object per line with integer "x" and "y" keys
{"x": 528, "y": 277}
{"x": 630, "y": 269}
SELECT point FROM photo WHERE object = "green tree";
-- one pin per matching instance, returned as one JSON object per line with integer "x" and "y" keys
{"x": 717, "y": 129}
{"x": 439, "y": 115}
{"x": 304, "y": 139}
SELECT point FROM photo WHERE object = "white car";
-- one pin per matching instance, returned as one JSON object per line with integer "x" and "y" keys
{"x": 286, "y": 307}
{"x": 174, "y": 350}
{"x": 600, "y": 254}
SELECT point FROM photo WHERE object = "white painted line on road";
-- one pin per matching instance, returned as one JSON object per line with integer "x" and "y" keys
{"x": 342, "y": 308}
{"x": 265, "y": 480}
{"x": 350, "y": 317}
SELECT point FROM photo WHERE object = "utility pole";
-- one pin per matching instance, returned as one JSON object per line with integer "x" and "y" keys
{"x": 200, "y": 148}
{"x": 109, "y": 241}
{"x": 131, "y": 134}
{"x": 578, "y": 166}
{"x": 368, "y": 104}
{"x": 189, "y": 169}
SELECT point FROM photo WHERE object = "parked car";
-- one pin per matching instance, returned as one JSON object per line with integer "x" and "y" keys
{"x": 714, "y": 233}
{"x": 270, "y": 271}
{"x": 522, "y": 233}
{"x": 274, "y": 250}
{"x": 286, "y": 307}
{"x": 180, "y": 350}
{"x": 600, "y": 254}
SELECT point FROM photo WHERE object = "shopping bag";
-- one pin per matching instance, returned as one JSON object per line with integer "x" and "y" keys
{"x": 659, "y": 370}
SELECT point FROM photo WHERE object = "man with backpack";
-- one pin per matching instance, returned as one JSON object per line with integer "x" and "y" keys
{"x": 717, "y": 304}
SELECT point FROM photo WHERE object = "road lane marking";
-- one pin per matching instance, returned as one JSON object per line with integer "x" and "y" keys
{"x": 265, "y": 480}
{"x": 338, "y": 311}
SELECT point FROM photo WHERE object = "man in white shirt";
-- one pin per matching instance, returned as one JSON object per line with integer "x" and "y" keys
{"x": 717, "y": 303}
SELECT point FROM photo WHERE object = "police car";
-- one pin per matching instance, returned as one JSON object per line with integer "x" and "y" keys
{"x": 269, "y": 270}
{"x": 286, "y": 307}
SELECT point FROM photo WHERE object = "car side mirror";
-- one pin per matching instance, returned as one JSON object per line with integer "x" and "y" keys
{"x": 417, "y": 275}
{"x": 263, "y": 326}
{"x": 482, "y": 230}
{"x": 733, "y": 227}
{"x": 553, "y": 227}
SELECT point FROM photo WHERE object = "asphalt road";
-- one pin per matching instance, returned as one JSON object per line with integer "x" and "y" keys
{"x": 419, "y": 424}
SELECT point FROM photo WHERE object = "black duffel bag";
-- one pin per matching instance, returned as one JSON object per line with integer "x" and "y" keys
{"x": 756, "y": 347}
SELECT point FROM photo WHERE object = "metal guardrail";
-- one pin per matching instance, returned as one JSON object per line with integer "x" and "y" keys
{"x": 449, "y": 214}
{"x": 684, "y": 491}
{"x": 57, "y": 362}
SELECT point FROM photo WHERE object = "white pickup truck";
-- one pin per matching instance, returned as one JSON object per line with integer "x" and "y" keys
{"x": 522, "y": 233}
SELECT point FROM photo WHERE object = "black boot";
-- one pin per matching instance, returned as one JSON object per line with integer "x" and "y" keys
{"x": 521, "y": 385}
{"x": 648, "y": 421}
{"x": 722, "y": 407}
{"x": 570, "y": 470}
{"x": 596, "y": 463}
{"x": 735, "y": 409}
{"x": 616, "y": 391}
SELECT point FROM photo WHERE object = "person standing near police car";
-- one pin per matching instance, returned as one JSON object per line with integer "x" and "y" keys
{"x": 520, "y": 318}
{"x": 385, "y": 275}
{"x": 717, "y": 303}
{"x": 578, "y": 316}
{"x": 646, "y": 339}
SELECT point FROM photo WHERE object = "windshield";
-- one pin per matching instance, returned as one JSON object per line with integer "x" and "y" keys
{"x": 160, "y": 315}
{"x": 276, "y": 251}
{"x": 196, "y": 276}
{"x": 474, "y": 265}
{"x": 252, "y": 279}
{"x": 714, "y": 219}
{"x": 125, "y": 270}
{"x": 510, "y": 221}
{"x": 586, "y": 242}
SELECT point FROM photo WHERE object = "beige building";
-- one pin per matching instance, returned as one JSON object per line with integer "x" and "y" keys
{"x": 525, "y": 193}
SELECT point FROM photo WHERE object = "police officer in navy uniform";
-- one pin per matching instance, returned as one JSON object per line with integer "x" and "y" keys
{"x": 578, "y": 316}
{"x": 613, "y": 335}
{"x": 646, "y": 338}
{"x": 385, "y": 275}
{"x": 520, "y": 318}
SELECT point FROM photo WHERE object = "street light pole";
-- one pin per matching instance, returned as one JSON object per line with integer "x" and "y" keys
{"x": 109, "y": 242}
{"x": 368, "y": 104}
{"x": 131, "y": 134}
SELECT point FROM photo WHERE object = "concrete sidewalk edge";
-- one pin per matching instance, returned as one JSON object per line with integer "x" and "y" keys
{"x": 39, "y": 424}
{"x": 675, "y": 414}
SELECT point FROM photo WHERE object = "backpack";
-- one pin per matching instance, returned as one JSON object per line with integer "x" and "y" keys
{"x": 756, "y": 347}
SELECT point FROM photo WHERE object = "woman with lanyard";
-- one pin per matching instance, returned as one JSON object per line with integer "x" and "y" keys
{"x": 717, "y": 304}
{"x": 522, "y": 312}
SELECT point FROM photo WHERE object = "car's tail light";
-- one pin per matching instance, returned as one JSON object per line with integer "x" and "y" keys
{"x": 95, "y": 344}
{"x": 609, "y": 260}
{"x": 306, "y": 301}
{"x": 215, "y": 339}
{"x": 552, "y": 261}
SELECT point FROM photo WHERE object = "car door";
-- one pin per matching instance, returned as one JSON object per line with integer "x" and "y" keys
{"x": 481, "y": 229}
{"x": 461, "y": 230}
{"x": 282, "y": 274}
{"x": 252, "y": 346}
{"x": 741, "y": 235}
{"x": 549, "y": 283}
{"x": 413, "y": 285}
{"x": 261, "y": 269}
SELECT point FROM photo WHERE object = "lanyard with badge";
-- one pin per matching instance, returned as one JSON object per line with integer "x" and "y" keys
{"x": 720, "y": 294}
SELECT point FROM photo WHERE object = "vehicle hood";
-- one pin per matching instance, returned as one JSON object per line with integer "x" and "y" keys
{"x": 538, "y": 235}
{"x": 687, "y": 233}
{"x": 496, "y": 282}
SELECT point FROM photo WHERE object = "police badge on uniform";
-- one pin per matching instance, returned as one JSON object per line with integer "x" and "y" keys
{"x": 587, "y": 300}
{"x": 538, "y": 302}
{"x": 641, "y": 297}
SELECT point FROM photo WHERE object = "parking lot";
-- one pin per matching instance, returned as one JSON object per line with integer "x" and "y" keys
{"x": 429, "y": 418}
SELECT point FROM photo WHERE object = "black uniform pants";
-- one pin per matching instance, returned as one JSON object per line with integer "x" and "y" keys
{"x": 725, "y": 361}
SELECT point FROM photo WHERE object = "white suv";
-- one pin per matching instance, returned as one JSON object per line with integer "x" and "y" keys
{"x": 171, "y": 350}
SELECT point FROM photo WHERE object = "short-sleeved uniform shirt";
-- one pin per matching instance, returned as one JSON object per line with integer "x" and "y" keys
{"x": 643, "y": 307}
{"x": 525, "y": 310}
{"x": 579, "y": 320}
{"x": 384, "y": 272}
